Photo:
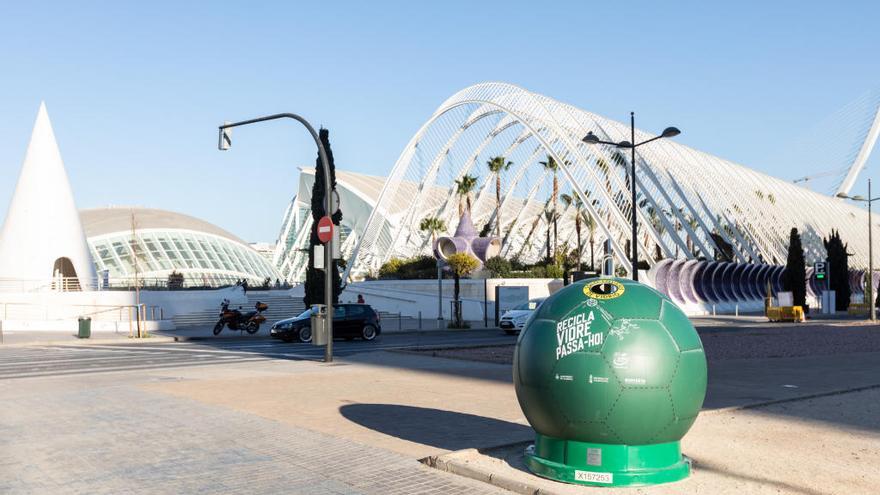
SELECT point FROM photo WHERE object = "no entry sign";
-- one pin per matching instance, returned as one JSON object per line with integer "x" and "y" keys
{"x": 325, "y": 229}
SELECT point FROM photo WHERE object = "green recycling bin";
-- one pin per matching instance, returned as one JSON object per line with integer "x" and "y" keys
{"x": 611, "y": 374}
{"x": 85, "y": 327}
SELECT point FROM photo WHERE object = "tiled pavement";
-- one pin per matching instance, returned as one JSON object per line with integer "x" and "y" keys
{"x": 63, "y": 437}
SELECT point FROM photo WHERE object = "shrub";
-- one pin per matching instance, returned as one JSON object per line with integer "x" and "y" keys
{"x": 498, "y": 266}
{"x": 554, "y": 271}
{"x": 391, "y": 268}
{"x": 418, "y": 267}
{"x": 175, "y": 280}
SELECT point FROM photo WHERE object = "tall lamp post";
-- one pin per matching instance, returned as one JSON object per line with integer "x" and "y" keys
{"x": 591, "y": 138}
{"x": 226, "y": 142}
{"x": 872, "y": 311}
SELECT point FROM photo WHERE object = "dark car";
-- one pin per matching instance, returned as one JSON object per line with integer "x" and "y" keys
{"x": 349, "y": 321}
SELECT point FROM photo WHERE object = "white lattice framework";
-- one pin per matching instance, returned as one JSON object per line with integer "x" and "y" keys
{"x": 688, "y": 200}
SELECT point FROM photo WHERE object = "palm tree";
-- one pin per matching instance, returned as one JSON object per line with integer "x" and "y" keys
{"x": 550, "y": 216}
{"x": 463, "y": 188}
{"x": 590, "y": 224}
{"x": 432, "y": 225}
{"x": 552, "y": 166}
{"x": 574, "y": 199}
{"x": 497, "y": 165}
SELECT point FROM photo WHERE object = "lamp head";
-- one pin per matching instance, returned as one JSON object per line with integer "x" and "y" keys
{"x": 670, "y": 132}
{"x": 591, "y": 138}
{"x": 225, "y": 138}
{"x": 624, "y": 144}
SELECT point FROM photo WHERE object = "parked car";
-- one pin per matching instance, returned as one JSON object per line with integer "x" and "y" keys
{"x": 349, "y": 321}
{"x": 513, "y": 320}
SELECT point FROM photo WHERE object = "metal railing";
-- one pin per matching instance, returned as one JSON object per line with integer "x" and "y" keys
{"x": 135, "y": 315}
{"x": 75, "y": 284}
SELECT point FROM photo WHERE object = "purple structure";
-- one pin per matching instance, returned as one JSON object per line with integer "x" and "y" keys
{"x": 729, "y": 284}
{"x": 465, "y": 240}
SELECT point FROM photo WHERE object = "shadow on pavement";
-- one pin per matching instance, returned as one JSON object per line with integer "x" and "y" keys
{"x": 782, "y": 486}
{"x": 447, "y": 430}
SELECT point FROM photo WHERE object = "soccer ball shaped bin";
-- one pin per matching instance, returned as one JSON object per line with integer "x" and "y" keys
{"x": 611, "y": 374}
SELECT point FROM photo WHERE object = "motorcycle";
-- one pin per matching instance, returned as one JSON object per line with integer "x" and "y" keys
{"x": 236, "y": 320}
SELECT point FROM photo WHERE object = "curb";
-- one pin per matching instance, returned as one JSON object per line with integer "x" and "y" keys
{"x": 90, "y": 341}
{"x": 450, "y": 464}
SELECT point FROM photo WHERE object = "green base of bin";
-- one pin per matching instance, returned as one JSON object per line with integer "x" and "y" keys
{"x": 598, "y": 464}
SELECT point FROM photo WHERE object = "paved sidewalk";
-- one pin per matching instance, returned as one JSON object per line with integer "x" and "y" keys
{"x": 359, "y": 425}
{"x": 123, "y": 440}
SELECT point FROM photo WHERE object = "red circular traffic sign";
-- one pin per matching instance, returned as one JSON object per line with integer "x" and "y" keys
{"x": 325, "y": 229}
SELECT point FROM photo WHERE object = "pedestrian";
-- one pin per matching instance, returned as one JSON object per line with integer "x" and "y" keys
{"x": 361, "y": 299}
{"x": 244, "y": 285}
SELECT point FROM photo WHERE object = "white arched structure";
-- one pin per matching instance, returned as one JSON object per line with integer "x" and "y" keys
{"x": 690, "y": 204}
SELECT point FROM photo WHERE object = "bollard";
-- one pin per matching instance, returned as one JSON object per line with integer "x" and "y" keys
{"x": 736, "y": 310}
{"x": 420, "y": 320}
{"x": 713, "y": 310}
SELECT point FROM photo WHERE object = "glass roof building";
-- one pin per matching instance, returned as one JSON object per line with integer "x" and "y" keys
{"x": 160, "y": 242}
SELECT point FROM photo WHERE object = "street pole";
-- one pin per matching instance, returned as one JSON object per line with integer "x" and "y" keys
{"x": 635, "y": 244}
{"x": 591, "y": 138}
{"x": 872, "y": 310}
{"x": 439, "y": 292}
{"x": 328, "y": 204}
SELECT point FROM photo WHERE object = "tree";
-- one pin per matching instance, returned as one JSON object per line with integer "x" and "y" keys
{"x": 795, "y": 279}
{"x": 314, "y": 287}
{"x": 552, "y": 166}
{"x": 838, "y": 270}
{"x": 432, "y": 225}
{"x": 461, "y": 265}
{"x": 574, "y": 199}
{"x": 463, "y": 188}
{"x": 497, "y": 165}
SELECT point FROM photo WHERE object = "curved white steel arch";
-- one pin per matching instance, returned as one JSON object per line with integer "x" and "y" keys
{"x": 693, "y": 195}
{"x": 864, "y": 152}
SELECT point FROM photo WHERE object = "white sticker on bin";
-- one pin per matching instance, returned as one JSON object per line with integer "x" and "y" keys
{"x": 591, "y": 477}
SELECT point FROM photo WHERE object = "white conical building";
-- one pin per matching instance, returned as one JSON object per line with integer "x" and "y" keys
{"x": 42, "y": 244}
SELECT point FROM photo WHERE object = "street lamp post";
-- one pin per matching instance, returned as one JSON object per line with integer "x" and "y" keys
{"x": 224, "y": 144}
{"x": 872, "y": 311}
{"x": 591, "y": 138}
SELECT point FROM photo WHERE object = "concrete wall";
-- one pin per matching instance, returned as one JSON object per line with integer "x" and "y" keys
{"x": 109, "y": 310}
{"x": 409, "y": 297}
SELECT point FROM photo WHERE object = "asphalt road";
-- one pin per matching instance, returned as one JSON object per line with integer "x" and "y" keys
{"x": 56, "y": 360}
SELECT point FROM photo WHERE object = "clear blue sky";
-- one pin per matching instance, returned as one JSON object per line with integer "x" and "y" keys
{"x": 135, "y": 90}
